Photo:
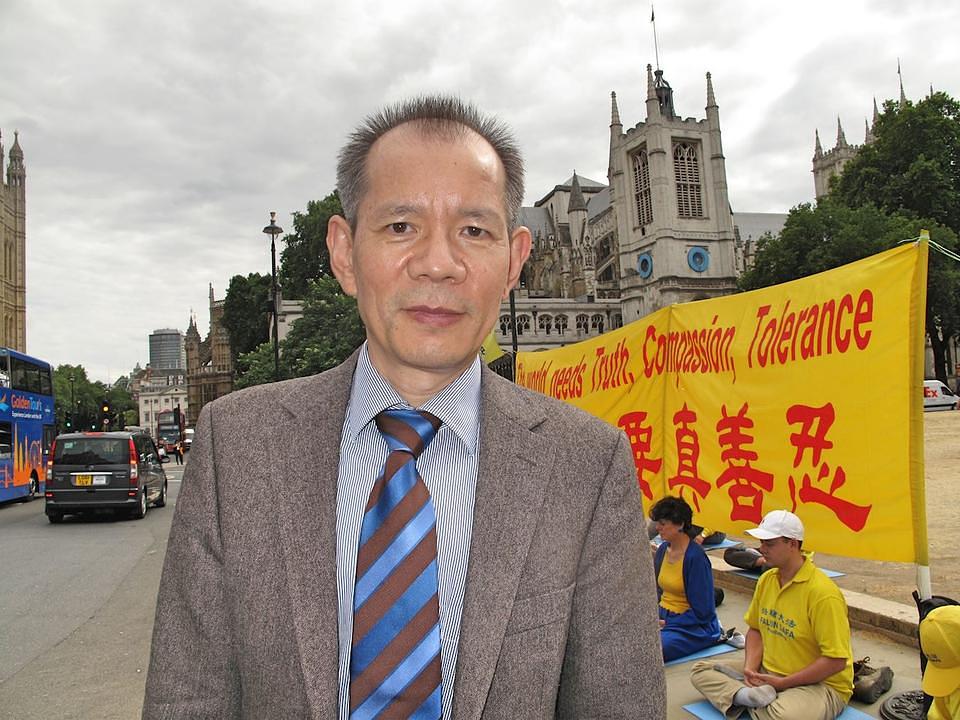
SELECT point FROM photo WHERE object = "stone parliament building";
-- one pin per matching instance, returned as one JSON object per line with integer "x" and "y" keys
{"x": 13, "y": 290}
{"x": 661, "y": 231}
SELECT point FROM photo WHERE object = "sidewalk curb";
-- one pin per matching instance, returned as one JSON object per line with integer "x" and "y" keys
{"x": 894, "y": 620}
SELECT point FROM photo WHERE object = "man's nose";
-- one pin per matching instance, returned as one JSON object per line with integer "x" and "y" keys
{"x": 438, "y": 256}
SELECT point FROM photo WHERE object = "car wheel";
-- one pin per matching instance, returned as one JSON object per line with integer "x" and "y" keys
{"x": 55, "y": 517}
{"x": 162, "y": 500}
{"x": 140, "y": 511}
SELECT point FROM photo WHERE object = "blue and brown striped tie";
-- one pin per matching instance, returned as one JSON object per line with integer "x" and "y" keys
{"x": 395, "y": 661}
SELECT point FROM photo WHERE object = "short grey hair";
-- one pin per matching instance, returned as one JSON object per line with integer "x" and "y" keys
{"x": 444, "y": 115}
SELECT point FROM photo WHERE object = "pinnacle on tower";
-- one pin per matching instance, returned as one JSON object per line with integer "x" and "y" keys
{"x": 614, "y": 110}
{"x": 576, "y": 196}
{"x": 711, "y": 100}
{"x": 818, "y": 149}
{"x": 868, "y": 134}
{"x": 876, "y": 113}
{"x": 903, "y": 96}
{"x": 841, "y": 138}
{"x": 651, "y": 90}
{"x": 16, "y": 151}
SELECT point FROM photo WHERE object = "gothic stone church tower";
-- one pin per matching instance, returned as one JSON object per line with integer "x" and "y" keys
{"x": 13, "y": 303}
{"x": 668, "y": 186}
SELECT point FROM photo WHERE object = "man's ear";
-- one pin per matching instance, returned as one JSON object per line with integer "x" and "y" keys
{"x": 520, "y": 241}
{"x": 340, "y": 247}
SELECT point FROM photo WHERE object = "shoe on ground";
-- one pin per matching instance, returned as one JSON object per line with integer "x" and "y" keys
{"x": 737, "y": 640}
{"x": 869, "y": 683}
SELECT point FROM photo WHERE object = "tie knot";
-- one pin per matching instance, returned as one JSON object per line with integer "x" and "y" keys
{"x": 407, "y": 430}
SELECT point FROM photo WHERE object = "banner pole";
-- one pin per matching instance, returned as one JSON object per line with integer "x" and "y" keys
{"x": 917, "y": 470}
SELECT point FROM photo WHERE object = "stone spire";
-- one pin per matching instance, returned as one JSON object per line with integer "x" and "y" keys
{"x": 711, "y": 100}
{"x": 576, "y": 196}
{"x": 16, "y": 173}
{"x": 903, "y": 96}
{"x": 876, "y": 113}
{"x": 841, "y": 138}
{"x": 818, "y": 148}
{"x": 653, "y": 105}
{"x": 614, "y": 111}
{"x": 868, "y": 133}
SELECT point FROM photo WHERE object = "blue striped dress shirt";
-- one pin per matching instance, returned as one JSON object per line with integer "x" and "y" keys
{"x": 449, "y": 470}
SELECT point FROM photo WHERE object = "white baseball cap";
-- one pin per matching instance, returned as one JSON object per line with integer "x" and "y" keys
{"x": 779, "y": 523}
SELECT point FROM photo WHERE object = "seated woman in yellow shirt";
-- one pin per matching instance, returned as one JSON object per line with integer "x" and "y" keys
{"x": 688, "y": 615}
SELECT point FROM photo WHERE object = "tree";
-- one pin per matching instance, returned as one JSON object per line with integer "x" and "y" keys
{"x": 246, "y": 312}
{"x": 329, "y": 330}
{"x": 912, "y": 165}
{"x": 913, "y": 168}
{"x": 305, "y": 256}
{"x": 87, "y": 398}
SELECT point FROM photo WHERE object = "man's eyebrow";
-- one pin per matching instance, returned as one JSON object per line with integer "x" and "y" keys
{"x": 484, "y": 214}
{"x": 402, "y": 209}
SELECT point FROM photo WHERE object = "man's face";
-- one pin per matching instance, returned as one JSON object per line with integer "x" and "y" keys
{"x": 431, "y": 257}
{"x": 777, "y": 552}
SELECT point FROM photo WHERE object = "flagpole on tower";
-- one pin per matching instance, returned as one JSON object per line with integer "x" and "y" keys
{"x": 656, "y": 48}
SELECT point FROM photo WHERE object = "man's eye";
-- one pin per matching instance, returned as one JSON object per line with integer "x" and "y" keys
{"x": 474, "y": 231}
{"x": 399, "y": 227}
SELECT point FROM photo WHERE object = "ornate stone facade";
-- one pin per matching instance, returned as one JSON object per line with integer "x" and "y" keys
{"x": 661, "y": 233}
{"x": 13, "y": 291}
{"x": 209, "y": 362}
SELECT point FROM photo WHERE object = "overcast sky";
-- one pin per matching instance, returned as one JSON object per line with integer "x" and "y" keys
{"x": 158, "y": 136}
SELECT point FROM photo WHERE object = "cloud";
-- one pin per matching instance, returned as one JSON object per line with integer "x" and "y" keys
{"x": 157, "y": 138}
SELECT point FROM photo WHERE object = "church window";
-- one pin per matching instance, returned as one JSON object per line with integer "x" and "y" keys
{"x": 560, "y": 323}
{"x": 545, "y": 322}
{"x": 596, "y": 323}
{"x": 523, "y": 324}
{"x": 686, "y": 167}
{"x": 641, "y": 188}
{"x": 505, "y": 324}
{"x": 616, "y": 321}
{"x": 583, "y": 325}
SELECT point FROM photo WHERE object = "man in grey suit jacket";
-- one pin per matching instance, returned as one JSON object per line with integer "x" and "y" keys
{"x": 547, "y": 601}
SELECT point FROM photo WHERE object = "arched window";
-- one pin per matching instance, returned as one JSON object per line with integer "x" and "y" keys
{"x": 545, "y": 323}
{"x": 523, "y": 324}
{"x": 641, "y": 188}
{"x": 596, "y": 323}
{"x": 505, "y": 324}
{"x": 560, "y": 323}
{"x": 616, "y": 321}
{"x": 583, "y": 324}
{"x": 686, "y": 168}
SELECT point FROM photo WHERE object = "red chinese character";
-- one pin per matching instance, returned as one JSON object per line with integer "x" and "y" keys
{"x": 749, "y": 483}
{"x": 820, "y": 419}
{"x": 640, "y": 436}
{"x": 688, "y": 454}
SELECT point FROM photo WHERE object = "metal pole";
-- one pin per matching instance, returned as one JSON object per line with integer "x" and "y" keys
{"x": 73, "y": 404}
{"x": 513, "y": 323}
{"x": 273, "y": 230}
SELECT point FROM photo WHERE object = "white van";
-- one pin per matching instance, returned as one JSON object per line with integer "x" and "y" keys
{"x": 937, "y": 396}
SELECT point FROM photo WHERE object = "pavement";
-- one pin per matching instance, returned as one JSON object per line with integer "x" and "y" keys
{"x": 883, "y": 630}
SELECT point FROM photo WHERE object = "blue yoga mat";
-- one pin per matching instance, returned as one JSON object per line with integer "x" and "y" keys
{"x": 706, "y": 711}
{"x": 705, "y": 653}
{"x": 657, "y": 541}
{"x": 754, "y": 574}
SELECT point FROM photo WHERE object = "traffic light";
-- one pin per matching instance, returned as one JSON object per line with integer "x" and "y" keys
{"x": 69, "y": 421}
{"x": 105, "y": 414}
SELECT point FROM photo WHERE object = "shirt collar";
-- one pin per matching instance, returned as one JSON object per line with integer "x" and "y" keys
{"x": 457, "y": 405}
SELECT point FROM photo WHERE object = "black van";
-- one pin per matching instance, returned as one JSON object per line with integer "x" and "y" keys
{"x": 104, "y": 470}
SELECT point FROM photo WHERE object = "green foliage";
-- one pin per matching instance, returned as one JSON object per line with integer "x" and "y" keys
{"x": 245, "y": 312}
{"x": 913, "y": 165}
{"x": 328, "y": 332}
{"x": 87, "y": 397}
{"x": 305, "y": 257}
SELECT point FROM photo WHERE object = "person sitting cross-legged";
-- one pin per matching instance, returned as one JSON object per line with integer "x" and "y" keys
{"x": 688, "y": 614}
{"x": 798, "y": 662}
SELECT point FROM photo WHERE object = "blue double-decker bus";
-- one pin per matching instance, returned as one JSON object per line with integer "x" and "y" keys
{"x": 27, "y": 424}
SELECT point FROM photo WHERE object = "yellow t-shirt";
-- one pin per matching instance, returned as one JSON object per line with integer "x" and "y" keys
{"x": 805, "y": 620}
{"x": 670, "y": 579}
{"x": 945, "y": 708}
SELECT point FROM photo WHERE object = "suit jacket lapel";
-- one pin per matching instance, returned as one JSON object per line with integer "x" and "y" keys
{"x": 304, "y": 461}
{"x": 511, "y": 481}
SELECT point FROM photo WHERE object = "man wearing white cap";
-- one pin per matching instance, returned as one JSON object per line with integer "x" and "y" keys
{"x": 797, "y": 661}
{"x": 940, "y": 640}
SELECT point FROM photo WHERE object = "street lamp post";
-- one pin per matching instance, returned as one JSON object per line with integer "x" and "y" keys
{"x": 273, "y": 230}
{"x": 73, "y": 404}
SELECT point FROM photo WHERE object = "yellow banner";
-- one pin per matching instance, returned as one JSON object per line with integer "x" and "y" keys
{"x": 804, "y": 396}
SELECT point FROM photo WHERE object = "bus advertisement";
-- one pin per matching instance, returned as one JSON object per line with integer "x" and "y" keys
{"x": 27, "y": 424}
{"x": 168, "y": 429}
